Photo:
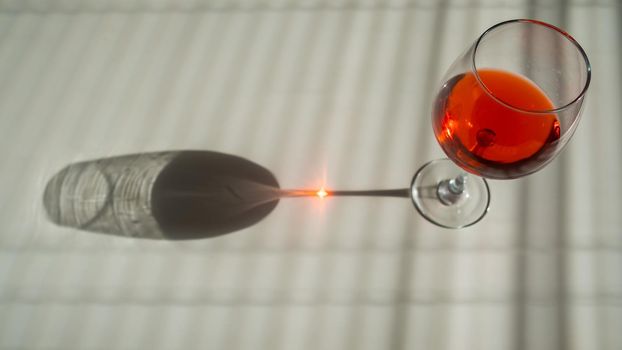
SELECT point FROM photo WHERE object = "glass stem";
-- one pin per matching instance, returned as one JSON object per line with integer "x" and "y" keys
{"x": 450, "y": 191}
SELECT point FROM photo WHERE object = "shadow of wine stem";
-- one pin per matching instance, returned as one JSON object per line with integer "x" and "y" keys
{"x": 400, "y": 193}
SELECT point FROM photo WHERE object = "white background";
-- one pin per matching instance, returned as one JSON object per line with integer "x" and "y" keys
{"x": 305, "y": 89}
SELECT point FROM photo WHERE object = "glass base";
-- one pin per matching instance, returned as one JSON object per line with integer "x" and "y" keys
{"x": 448, "y": 196}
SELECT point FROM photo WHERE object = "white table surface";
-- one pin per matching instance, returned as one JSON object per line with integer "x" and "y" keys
{"x": 305, "y": 89}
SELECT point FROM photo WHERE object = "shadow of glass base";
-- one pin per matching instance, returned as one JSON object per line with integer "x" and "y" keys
{"x": 168, "y": 195}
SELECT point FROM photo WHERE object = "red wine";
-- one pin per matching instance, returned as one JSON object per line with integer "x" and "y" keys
{"x": 488, "y": 137}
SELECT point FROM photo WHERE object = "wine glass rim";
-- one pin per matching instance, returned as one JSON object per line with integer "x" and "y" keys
{"x": 551, "y": 27}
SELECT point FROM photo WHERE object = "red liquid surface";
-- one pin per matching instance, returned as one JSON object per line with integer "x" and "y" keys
{"x": 487, "y": 137}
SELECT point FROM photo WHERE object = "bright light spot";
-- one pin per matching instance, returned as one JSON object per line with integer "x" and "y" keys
{"x": 321, "y": 193}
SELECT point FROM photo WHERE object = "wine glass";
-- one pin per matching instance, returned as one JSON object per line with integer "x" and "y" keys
{"x": 506, "y": 108}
